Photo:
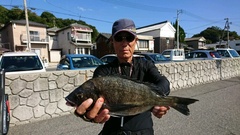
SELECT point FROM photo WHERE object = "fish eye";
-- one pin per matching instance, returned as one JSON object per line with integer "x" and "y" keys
{"x": 80, "y": 95}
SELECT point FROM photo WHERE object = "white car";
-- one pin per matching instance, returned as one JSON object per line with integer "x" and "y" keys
{"x": 21, "y": 62}
{"x": 227, "y": 53}
{"x": 174, "y": 54}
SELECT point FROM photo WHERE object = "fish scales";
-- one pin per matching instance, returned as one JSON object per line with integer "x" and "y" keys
{"x": 125, "y": 97}
{"x": 124, "y": 92}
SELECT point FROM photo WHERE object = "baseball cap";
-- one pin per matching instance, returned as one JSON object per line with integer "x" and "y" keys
{"x": 123, "y": 25}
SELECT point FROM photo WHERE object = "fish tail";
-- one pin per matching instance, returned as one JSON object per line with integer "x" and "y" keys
{"x": 181, "y": 104}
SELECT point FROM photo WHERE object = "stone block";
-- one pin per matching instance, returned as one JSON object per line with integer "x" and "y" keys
{"x": 44, "y": 95}
{"x": 14, "y": 101}
{"x": 68, "y": 87}
{"x": 26, "y": 93}
{"x": 17, "y": 86}
{"x": 51, "y": 108}
{"x": 52, "y": 85}
{"x": 62, "y": 105}
{"x": 23, "y": 113}
{"x": 34, "y": 99}
{"x": 55, "y": 95}
{"x": 61, "y": 81}
{"x": 29, "y": 77}
{"x": 40, "y": 84}
{"x": 44, "y": 102}
{"x": 38, "y": 111}
{"x": 23, "y": 101}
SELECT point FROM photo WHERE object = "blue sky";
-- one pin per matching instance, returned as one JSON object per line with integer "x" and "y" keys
{"x": 196, "y": 15}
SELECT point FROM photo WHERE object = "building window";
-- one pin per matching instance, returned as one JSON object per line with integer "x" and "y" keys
{"x": 34, "y": 36}
{"x": 143, "y": 43}
{"x": 68, "y": 36}
{"x": 167, "y": 40}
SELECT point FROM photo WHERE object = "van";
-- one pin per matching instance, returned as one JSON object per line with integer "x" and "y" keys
{"x": 174, "y": 54}
{"x": 227, "y": 53}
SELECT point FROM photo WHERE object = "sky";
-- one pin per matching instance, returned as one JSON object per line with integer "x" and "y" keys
{"x": 194, "y": 15}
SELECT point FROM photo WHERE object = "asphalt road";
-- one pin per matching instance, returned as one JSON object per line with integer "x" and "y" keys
{"x": 216, "y": 113}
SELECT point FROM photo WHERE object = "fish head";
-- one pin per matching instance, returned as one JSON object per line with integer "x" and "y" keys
{"x": 85, "y": 91}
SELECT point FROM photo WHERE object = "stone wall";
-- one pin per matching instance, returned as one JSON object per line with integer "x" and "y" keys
{"x": 35, "y": 97}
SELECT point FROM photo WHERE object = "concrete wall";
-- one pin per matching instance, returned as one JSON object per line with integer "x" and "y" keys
{"x": 35, "y": 97}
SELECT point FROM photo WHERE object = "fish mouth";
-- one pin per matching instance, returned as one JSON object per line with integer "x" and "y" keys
{"x": 70, "y": 103}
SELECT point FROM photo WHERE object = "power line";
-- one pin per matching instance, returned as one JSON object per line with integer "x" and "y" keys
{"x": 62, "y": 13}
{"x": 204, "y": 25}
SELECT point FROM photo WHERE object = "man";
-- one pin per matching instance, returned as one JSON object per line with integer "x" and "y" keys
{"x": 124, "y": 39}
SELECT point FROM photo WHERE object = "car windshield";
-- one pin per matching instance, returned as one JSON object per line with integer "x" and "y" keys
{"x": 234, "y": 53}
{"x": 80, "y": 62}
{"x": 20, "y": 63}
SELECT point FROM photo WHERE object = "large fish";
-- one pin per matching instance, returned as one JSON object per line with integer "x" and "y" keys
{"x": 125, "y": 97}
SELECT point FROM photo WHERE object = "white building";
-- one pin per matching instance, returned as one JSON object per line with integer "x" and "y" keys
{"x": 163, "y": 34}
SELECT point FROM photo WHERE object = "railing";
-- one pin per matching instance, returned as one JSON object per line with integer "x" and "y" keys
{"x": 34, "y": 38}
{"x": 81, "y": 37}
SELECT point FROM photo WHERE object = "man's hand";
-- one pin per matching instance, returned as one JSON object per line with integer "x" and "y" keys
{"x": 95, "y": 114}
{"x": 159, "y": 111}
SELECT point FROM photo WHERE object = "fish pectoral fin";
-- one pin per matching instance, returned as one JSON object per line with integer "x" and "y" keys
{"x": 120, "y": 107}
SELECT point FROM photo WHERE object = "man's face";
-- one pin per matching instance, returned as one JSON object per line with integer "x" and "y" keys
{"x": 124, "y": 44}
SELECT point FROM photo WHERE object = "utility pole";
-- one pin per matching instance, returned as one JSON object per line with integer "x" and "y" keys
{"x": 178, "y": 12}
{"x": 227, "y": 27}
{"x": 27, "y": 27}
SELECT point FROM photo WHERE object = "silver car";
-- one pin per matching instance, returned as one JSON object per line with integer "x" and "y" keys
{"x": 202, "y": 55}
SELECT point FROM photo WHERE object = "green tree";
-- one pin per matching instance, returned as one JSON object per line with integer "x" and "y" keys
{"x": 215, "y": 34}
{"x": 34, "y": 17}
{"x": 48, "y": 19}
{"x": 16, "y": 14}
{"x": 3, "y": 15}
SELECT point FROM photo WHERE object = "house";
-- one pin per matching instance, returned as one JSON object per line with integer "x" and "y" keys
{"x": 103, "y": 45}
{"x": 235, "y": 44}
{"x": 53, "y": 49}
{"x": 75, "y": 39}
{"x": 196, "y": 42}
{"x": 14, "y": 37}
{"x": 163, "y": 34}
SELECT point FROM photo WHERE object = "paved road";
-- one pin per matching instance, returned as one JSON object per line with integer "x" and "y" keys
{"x": 217, "y": 113}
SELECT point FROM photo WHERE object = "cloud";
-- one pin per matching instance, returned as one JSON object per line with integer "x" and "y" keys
{"x": 84, "y": 9}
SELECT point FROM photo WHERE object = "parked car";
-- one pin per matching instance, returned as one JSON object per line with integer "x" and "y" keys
{"x": 174, "y": 54}
{"x": 202, "y": 55}
{"x": 21, "y": 62}
{"x": 108, "y": 58}
{"x": 111, "y": 57}
{"x": 227, "y": 53}
{"x": 78, "y": 62}
{"x": 155, "y": 57}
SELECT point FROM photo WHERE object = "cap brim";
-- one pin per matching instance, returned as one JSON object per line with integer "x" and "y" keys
{"x": 133, "y": 33}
